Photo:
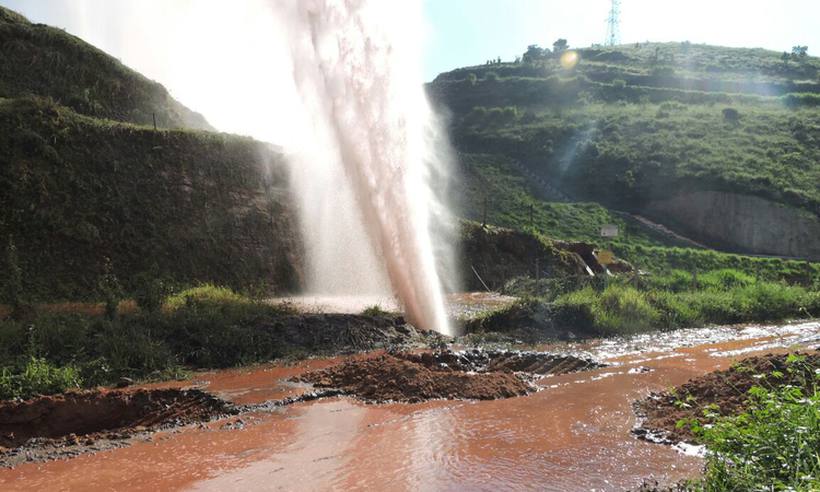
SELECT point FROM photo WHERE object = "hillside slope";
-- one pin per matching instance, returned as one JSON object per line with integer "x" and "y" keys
{"x": 632, "y": 127}
{"x": 184, "y": 206}
{"x": 36, "y": 59}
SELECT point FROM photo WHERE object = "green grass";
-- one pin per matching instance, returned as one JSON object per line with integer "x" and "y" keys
{"x": 623, "y": 309}
{"x": 773, "y": 445}
{"x": 631, "y": 125}
{"x": 495, "y": 185}
{"x": 202, "y": 327}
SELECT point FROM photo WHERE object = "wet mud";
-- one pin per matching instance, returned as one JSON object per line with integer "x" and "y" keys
{"x": 468, "y": 375}
{"x": 70, "y": 424}
{"x": 572, "y": 434}
{"x": 723, "y": 392}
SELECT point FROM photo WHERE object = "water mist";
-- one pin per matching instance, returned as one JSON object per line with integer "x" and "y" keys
{"x": 338, "y": 85}
{"x": 363, "y": 171}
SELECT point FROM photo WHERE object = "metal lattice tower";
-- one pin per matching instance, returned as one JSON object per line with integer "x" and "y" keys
{"x": 613, "y": 24}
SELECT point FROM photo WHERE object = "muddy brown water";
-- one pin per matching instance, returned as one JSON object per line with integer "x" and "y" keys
{"x": 574, "y": 434}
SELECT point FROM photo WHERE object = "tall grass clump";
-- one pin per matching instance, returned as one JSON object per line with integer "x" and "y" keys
{"x": 617, "y": 310}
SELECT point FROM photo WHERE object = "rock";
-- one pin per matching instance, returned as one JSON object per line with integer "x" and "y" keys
{"x": 124, "y": 382}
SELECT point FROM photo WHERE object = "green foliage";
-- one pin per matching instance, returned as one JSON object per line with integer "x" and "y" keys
{"x": 374, "y": 310}
{"x": 744, "y": 123}
{"x": 150, "y": 290}
{"x": 675, "y": 301}
{"x": 37, "y": 377}
{"x": 12, "y": 292}
{"x": 616, "y": 310}
{"x": 185, "y": 207}
{"x": 110, "y": 290}
{"x": 206, "y": 326}
{"x": 773, "y": 445}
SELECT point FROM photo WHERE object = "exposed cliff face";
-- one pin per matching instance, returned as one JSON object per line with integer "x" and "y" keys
{"x": 743, "y": 222}
{"x": 182, "y": 205}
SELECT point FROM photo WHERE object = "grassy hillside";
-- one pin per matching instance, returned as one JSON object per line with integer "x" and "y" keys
{"x": 36, "y": 59}
{"x": 79, "y": 193}
{"x": 622, "y": 129}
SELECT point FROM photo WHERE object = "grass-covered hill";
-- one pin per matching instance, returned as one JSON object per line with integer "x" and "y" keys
{"x": 632, "y": 126}
{"x": 83, "y": 198}
{"x": 36, "y": 59}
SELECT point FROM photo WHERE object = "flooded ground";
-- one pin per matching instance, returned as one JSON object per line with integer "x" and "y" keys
{"x": 574, "y": 434}
{"x": 459, "y": 305}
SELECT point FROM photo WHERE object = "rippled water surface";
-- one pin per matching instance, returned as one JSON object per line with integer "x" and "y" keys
{"x": 572, "y": 435}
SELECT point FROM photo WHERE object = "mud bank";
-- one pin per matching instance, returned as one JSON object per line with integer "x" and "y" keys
{"x": 70, "y": 424}
{"x": 471, "y": 375}
{"x": 723, "y": 391}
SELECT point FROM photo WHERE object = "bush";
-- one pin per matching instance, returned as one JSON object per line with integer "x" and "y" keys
{"x": 150, "y": 290}
{"x": 37, "y": 377}
{"x": 618, "y": 310}
{"x": 773, "y": 445}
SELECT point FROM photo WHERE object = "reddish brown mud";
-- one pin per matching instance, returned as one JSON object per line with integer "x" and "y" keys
{"x": 389, "y": 378}
{"x": 574, "y": 434}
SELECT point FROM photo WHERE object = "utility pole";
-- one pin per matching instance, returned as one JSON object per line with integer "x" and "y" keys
{"x": 613, "y": 24}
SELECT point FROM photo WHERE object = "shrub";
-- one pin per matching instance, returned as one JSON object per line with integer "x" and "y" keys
{"x": 774, "y": 445}
{"x": 374, "y": 310}
{"x": 149, "y": 291}
{"x": 37, "y": 377}
{"x": 205, "y": 294}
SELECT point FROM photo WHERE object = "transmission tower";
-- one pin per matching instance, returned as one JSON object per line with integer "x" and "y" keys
{"x": 613, "y": 24}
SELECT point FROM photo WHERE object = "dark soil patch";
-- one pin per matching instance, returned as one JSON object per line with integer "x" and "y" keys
{"x": 389, "y": 378}
{"x": 474, "y": 375}
{"x": 476, "y": 360}
{"x": 726, "y": 389}
{"x": 85, "y": 419}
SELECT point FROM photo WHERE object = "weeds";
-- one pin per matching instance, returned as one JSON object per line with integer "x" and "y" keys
{"x": 775, "y": 443}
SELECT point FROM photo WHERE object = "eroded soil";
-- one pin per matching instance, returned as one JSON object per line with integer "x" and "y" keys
{"x": 725, "y": 392}
{"x": 76, "y": 422}
{"x": 471, "y": 375}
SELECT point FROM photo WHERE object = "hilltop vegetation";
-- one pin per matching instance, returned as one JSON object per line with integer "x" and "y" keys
{"x": 624, "y": 130}
{"x": 36, "y": 59}
{"x": 564, "y": 149}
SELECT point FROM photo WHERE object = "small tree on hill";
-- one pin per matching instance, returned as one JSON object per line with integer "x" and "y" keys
{"x": 560, "y": 46}
{"x": 533, "y": 54}
{"x": 800, "y": 52}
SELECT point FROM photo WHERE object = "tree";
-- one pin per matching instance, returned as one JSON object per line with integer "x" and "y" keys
{"x": 533, "y": 54}
{"x": 560, "y": 46}
{"x": 800, "y": 52}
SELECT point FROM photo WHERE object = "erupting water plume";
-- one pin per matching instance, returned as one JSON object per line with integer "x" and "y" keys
{"x": 370, "y": 128}
{"x": 348, "y": 108}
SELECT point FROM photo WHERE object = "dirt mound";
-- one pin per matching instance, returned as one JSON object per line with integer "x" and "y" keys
{"x": 476, "y": 360}
{"x": 391, "y": 378}
{"x": 470, "y": 374}
{"x": 726, "y": 389}
{"x": 91, "y": 413}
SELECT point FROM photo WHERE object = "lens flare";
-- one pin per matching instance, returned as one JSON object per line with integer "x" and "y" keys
{"x": 569, "y": 59}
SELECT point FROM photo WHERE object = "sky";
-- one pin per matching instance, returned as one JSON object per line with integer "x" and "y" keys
{"x": 199, "y": 48}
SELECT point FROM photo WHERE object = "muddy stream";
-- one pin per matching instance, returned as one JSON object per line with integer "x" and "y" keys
{"x": 573, "y": 434}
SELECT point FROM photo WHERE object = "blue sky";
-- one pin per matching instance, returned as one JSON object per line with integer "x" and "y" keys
{"x": 466, "y": 32}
